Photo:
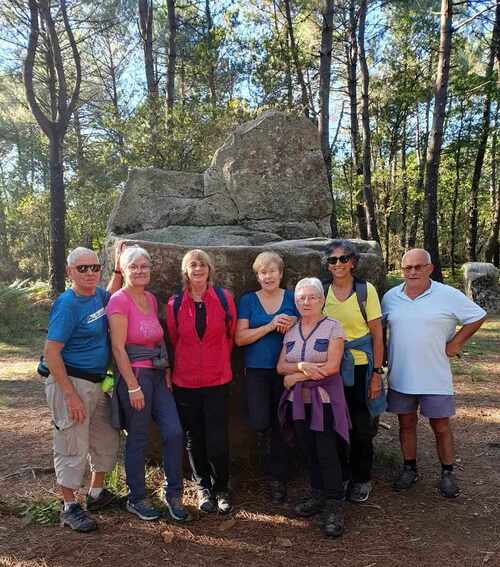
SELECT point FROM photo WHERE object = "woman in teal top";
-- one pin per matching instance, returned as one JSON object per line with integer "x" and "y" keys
{"x": 264, "y": 317}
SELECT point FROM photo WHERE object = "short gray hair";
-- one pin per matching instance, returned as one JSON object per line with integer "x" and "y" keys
{"x": 424, "y": 252}
{"x": 131, "y": 253}
{"x": 78, "y": 253}
{"x": 310, "y": 282}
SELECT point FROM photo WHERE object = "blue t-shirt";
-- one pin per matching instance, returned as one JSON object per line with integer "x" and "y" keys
{"x": 265, "y": 352}
{"x": 80, "y": 323}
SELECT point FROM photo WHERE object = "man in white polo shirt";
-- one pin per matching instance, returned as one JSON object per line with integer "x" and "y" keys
{"x": 422, "y": 317}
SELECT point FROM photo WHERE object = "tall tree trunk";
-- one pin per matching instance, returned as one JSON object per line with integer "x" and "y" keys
{"x": 296, "y": 60}
{"x": 63, "y": 104}
{"x": 431, "y": 243}
{"x": 456, "y": 187}
{"x": 371, "y": 219}
{"x": 492, "y": 251}
{"x": 146, "y": 29}
{"x": 420, "y": 147}
{"x": 483, "y": 141}
{"x": 325, "y": 70}
{"x": 404, "y": 188}
{"x": 172, "y": 54}
{"x": 352, "y": 88}
{"x": 211, "y": 62}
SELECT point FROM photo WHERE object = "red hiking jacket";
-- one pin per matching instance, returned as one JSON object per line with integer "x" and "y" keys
{"x": 199, "y": 363}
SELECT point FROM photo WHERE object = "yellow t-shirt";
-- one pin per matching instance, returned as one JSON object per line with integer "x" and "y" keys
{"x": 349, "y": 315}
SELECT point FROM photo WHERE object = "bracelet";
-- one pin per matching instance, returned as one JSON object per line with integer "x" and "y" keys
{"x": 299, "y": 366}
{"x": 135, "y": 390}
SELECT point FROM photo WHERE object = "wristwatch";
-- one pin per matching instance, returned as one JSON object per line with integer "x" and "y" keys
{"x": 378, "y": 370}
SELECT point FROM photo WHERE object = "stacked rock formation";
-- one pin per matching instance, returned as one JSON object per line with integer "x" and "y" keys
{"x": 481, "y": 285}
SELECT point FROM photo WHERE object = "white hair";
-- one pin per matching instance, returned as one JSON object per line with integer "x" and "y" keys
{"x": 132, "y": 253}
{"x": 78, "y": 253}
{"x": 310, "y": 282}
{"x": 428, "y": 258}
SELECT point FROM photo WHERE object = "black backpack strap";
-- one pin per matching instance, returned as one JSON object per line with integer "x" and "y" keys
{"x": 361, "y": 290}
{"x": 223, "y": 300}
{"x": 176, "y": 307}
{"x": 326, "y": 287}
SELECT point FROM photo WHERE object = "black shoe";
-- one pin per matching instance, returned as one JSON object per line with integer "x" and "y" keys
{"x": 277, "y": 491}
{"x": 206, "y": 501}
{"x": 406, "y": 479}
{"x": 448, "y": 486}
{"x": 106, "y": 498}
{"x": 177, "y": 510}
{"x": 224, "y": 504}
{"x": 77, "y": 519}
{"x": 312, "y": 504}
{"x": 333, "y": 518}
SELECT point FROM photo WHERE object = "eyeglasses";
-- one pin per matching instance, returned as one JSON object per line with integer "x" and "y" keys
{"x": 332, "y": 260}
{"x": 134, "y": 269}
{"x": 304, "y": 298}
{"x": 416, "y": 267}
{"x": 84, "y": 268}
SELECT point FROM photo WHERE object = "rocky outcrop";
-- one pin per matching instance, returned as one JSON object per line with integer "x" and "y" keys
{"x": 481, "y": 285}
{"x": 266, "y": 183}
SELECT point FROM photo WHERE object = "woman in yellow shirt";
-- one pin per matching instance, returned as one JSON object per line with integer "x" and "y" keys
{"x": 355, "y": 304}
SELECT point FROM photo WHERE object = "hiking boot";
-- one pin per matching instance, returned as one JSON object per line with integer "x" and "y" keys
{"x": 77, "y": 519}
{"x": 360, "y": 491}
{"x": 144, "y": 510}
{"x": 277, "y": 491}
{"x": 448, "y": 486}
{"x": 224, "y": 504}
{"x": 106, "y": 498}
{"x": 333, "y": 518}
{"x": 206, "y": 501}
{"x": 406, "y": 479}
{"x": 177, "y": 510}
{"x": 312, "y": 504}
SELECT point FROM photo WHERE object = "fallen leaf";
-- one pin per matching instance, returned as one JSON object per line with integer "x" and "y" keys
{"x": 227, "y": 524}
{"x": 167, "y": 536}
{"x": 284, "y": 542}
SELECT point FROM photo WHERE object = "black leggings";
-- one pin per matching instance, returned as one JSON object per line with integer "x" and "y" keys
{"x": 204, "y": 416}
{"x": 320, "y": 449}
{"x": 263, "y": 389}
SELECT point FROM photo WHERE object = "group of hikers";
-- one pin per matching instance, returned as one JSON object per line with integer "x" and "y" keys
{"x": 314, "y": 375}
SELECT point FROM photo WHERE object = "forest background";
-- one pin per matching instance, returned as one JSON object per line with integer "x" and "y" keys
{"x": 405, "y": 95}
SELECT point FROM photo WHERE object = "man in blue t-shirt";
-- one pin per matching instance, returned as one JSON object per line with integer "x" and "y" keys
{"x": 77, "y": 355}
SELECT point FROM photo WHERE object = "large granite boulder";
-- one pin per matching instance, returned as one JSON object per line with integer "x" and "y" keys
{"x": 481, "y": 285}
{"x": 266, "y": 189}
{"x": 266, "y": 183}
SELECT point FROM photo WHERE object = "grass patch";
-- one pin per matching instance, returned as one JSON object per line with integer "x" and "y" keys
{"x": 44, "y": 512}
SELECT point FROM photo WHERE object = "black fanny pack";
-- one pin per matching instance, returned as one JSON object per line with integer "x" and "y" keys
{"x": 44, "y": 371}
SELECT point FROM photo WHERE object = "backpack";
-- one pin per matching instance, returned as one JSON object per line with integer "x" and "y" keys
{"x": 361, "y": 291}
{"x": 222, "y": 298}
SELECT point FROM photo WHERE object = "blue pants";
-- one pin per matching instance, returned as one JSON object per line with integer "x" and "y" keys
{"x": 159, "y": 405}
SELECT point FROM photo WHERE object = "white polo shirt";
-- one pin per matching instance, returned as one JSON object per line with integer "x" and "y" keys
{"x": 418, "y": 332}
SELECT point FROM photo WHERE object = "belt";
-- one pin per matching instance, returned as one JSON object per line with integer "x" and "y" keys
{"x": 84, "y": 375}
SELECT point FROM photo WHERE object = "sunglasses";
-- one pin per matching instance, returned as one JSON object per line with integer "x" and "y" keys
{"x": 332, "y": 260}
{"x": 84, "y": 268}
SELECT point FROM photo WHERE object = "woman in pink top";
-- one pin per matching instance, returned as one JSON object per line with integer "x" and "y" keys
{"x": 144, "y": 386}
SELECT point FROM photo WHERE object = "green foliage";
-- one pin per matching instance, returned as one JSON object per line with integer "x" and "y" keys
{"x": 22, "y": 306}
{"x": 44, "y": 512}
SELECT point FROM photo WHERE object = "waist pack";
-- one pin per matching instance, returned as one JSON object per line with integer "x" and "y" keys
{"x": 44, "y": 371}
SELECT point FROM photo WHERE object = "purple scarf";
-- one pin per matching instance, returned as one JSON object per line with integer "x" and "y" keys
{"x": 334, "y": 387}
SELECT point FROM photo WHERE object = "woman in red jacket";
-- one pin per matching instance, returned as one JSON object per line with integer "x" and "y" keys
{"x": 201, "y": 323}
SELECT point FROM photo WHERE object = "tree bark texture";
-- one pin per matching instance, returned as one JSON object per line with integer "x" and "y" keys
{"x": 483, "y": 141}
{"x": 145, "y": 8}
{"x": 371, "y": 219}
{"x": 352, "y": 88}
{"x": 325, "y": 71}
{"x": 172, "y": 54}
{"x": 211, "y": 62}
{"x": 492, "y": 252}
{"x": 304, "y": 98}
{"x": 456, "y": 188}
{"x": 62, "y": 106}
{"x": 436, "y": 139}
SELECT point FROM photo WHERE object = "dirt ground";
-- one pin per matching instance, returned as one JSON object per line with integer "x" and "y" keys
{"x": 415, "y": 528}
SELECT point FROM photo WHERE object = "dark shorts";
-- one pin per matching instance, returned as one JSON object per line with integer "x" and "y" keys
{"x": 431, "y": 405}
